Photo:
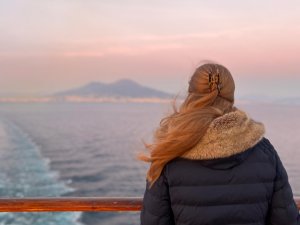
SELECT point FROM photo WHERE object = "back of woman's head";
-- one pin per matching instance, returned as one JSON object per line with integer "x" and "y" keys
{"x": 210, "y": 95}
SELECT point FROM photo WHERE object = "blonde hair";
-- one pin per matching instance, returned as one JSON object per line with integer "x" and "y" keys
{"x": 178, "y": 132}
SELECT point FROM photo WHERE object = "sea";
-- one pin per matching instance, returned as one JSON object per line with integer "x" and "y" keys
{"x": 89, "y": 150}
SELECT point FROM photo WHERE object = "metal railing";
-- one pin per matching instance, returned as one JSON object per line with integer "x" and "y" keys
{"x": 84, "y": 204}
{"x": 63, "y": 204}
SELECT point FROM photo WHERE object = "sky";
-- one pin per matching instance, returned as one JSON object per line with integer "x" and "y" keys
{"x": 49, "y": 46}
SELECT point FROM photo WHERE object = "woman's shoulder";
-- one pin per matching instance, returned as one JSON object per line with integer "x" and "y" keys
{"x": 266, "y": 146}
{"x": 263, "y": 150}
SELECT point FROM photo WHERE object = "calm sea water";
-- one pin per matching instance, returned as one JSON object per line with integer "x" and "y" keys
{"x": 89, "y": 149}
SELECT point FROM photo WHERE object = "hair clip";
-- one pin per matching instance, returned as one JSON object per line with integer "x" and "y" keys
{"x": 214, "y": 79}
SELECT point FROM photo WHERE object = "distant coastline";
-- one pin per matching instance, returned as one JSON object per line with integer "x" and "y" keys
{"x": 91, "y": 99}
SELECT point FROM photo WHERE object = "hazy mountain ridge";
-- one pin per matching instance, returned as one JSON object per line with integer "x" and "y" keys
{"x": 120, "y": 88}
{"x": 127, "y": 90}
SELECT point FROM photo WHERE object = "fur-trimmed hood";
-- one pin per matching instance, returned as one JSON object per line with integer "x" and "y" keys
{"x": 227, "y": 135}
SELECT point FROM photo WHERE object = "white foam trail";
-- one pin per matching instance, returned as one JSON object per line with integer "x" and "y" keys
{"x": 24, "y": 172}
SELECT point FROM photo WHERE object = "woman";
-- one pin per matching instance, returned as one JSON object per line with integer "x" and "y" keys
{"x": 212, "y": 165}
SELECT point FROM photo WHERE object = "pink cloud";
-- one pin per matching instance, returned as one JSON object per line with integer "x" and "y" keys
{"x": 123, "y": 50}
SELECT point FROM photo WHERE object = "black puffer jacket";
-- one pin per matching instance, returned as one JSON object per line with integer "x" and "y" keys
{"x": 233, "y": 176}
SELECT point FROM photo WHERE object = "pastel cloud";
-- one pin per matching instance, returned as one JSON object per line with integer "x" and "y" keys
{"x": 51, "y": 45}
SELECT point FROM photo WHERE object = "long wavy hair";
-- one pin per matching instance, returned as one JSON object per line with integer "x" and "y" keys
{"x": 210, "y": 95}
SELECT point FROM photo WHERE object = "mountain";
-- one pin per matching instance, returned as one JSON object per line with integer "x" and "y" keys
{"x": 119, "y": 88}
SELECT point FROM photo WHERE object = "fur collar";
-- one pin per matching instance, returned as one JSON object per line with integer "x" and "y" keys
{"x": 227, "y": 135}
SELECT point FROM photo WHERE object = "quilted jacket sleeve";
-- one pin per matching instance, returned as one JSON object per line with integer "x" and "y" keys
{"x": 156, "y": 208}
{"x": 283, "y": 209}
